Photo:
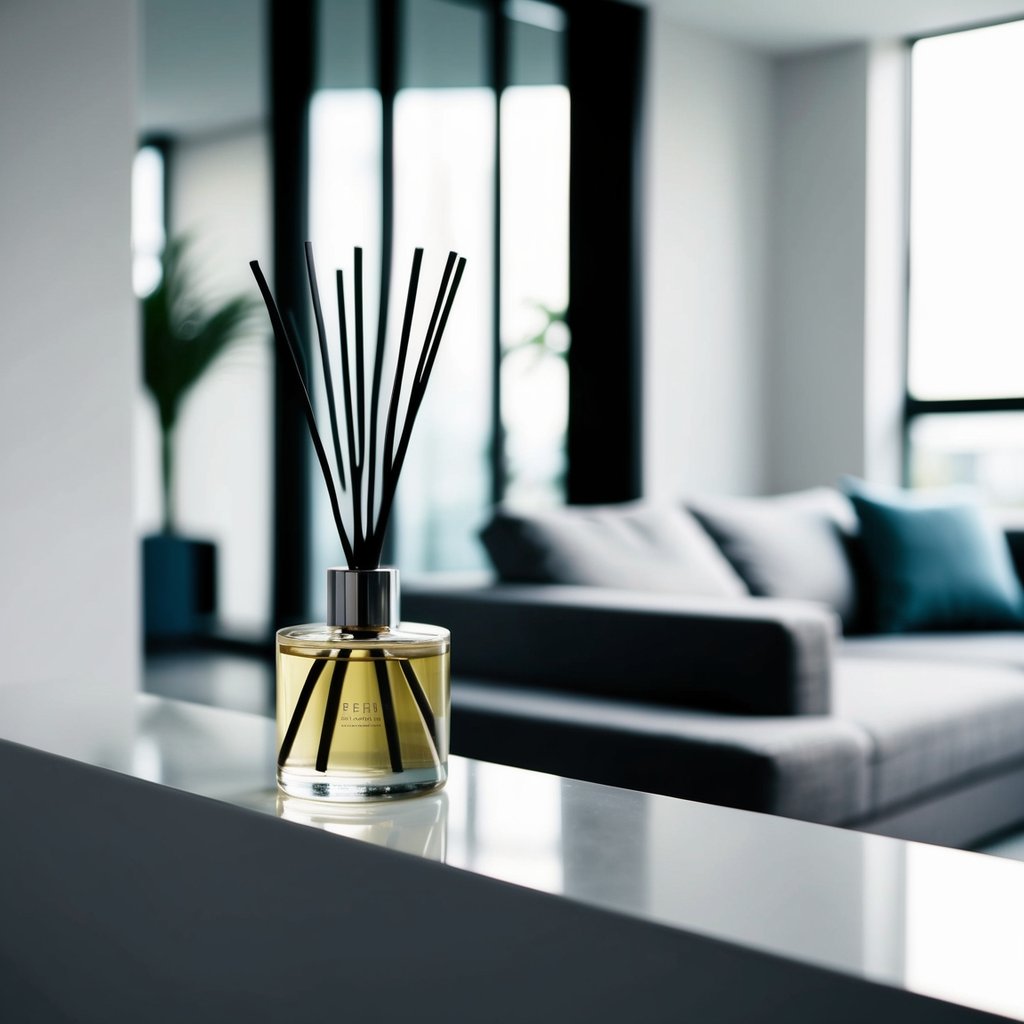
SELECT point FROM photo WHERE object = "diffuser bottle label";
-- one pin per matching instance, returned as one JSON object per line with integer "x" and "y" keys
{"x": 360, "y": 714}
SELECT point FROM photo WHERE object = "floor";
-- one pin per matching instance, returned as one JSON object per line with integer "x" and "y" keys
{"x": 247, "y": 684}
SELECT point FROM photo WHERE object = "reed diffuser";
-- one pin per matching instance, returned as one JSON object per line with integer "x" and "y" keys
{"x": 363, "y": 699}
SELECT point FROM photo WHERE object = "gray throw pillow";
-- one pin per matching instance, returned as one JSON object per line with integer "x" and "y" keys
{"x": 633, "y": 546}
{"x": 791, "y": 545}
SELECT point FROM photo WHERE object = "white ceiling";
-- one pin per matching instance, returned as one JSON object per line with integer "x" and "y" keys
{"x": 781, "y": 26}
{"x": 203, "y": 62}
{"x": 202, "y": 66}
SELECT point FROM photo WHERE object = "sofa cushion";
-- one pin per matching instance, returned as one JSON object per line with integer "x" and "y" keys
{"x": 755, "y": 656}
{"x": 977, "y": 648}
{"x": 934, "y": 562}
{"x": 790, "y": 545}
{"x": 814, "y": 768}
{"x": 932, "y": 724}
{"x": 633, "y": 546}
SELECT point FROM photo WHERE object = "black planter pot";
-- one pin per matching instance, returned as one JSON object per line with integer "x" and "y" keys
{"x": 179, "y": 588}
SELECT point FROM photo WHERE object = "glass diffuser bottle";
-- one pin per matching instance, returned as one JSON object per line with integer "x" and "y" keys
{"x": 363, "y": 699}
{"x": 362, "y": 702}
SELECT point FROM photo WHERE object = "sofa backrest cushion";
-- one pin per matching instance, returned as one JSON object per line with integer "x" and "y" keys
{"x": 794, "y": 546}
{"x": 748, "y": 656}
{"x": 935, "y": 561}
{"x": 632, "y": 546}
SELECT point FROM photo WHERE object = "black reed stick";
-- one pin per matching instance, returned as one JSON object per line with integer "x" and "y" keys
{"x": 299, "y": 711}
{"x": 323, "y": 752}
{"x": 372, "y": 473}
{"x": 387, "y": 710}
{"x": 360, "y": 410}
{"x": 416, "y": 689}
{"x": 346, "y": 380}
{"x": 285, "y": 342}
{"x": 436, "y": 343}
{"x": 378, "y": 367}
{"x": 325, "y": 359}
{"x": 438, "y": 303}
{"x": 387, "y": 456}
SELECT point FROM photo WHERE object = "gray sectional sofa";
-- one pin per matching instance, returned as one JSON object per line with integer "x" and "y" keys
{"x": 789, "y": 704}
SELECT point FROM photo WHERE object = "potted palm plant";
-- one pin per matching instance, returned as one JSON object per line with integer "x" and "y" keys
{"x": 182, "y": 337}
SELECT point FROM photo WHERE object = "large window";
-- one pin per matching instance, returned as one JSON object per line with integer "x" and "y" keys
{"x": 474, "y": 139}
{"x": 965, "y": 371}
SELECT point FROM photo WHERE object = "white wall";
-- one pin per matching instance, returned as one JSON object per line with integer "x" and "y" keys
{"x": 816, "y": 270}
{"x": 68, "y": 585}
{"x": 885, "y": 281}
{"x": 220, "y": 195}
{"x": 704, "y": 262}
{"x": 834, "y": 357}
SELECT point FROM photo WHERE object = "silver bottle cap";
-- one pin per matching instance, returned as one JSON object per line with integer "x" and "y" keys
{"x": 362, "y": 598}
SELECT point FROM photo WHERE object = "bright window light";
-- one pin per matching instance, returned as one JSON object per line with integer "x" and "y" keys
{"x": 984, "y": 450}
{"x": 147, "y": 219}
{"x": 967, "y": 215}
{"x": 444, "y": 199}
{"x": 535, "y": 291}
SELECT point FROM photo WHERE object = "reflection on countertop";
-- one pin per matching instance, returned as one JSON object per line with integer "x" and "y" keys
{"x": 415, "y": 825}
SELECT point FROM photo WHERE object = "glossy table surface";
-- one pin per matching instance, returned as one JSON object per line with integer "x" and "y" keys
{"x": 933, "y": 921}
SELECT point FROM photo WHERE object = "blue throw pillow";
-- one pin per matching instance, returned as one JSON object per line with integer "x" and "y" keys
{"x": 935, "y": 562}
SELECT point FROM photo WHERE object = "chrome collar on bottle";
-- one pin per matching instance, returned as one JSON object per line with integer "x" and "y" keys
{"x": 362, "y": 598}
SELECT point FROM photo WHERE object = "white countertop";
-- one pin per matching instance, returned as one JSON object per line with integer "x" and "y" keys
{"x": 930, "y": 920}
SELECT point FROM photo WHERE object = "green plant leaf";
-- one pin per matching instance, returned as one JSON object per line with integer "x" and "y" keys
{"x": 181, "y": 338}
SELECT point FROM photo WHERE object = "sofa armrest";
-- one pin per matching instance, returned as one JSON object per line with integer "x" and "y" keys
{"x": 752, "y": 655}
